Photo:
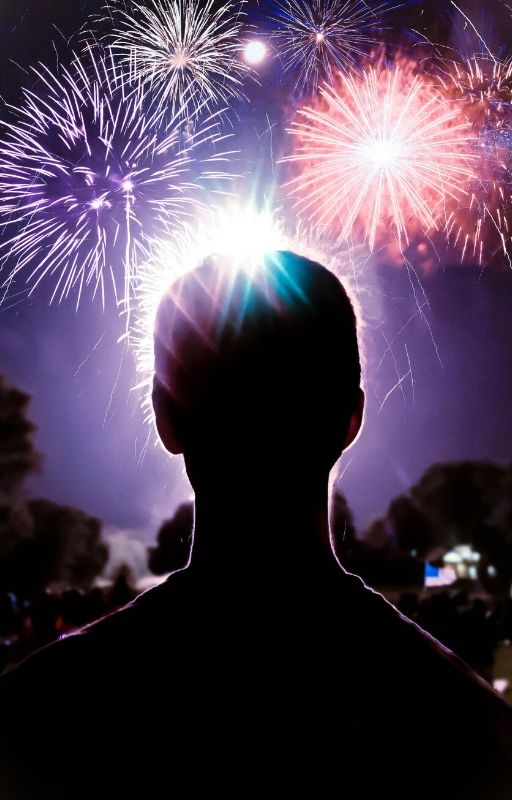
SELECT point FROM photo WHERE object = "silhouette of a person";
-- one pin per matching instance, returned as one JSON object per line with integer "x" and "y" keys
{"x": 263, "y": 668}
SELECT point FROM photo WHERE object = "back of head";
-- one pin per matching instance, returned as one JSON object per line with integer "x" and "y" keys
{"x": 265, "y": 359}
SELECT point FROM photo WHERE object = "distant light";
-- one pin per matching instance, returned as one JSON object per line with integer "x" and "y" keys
{"x": 501, "y": 685}
{"x": 255, "y": 51}
{"x": 439, "y": 576}
{"x": 319, "y": 37}
{"x": 127, "y": 185}
{"x": 491, "y": 571}
{"x": 461, "y": 553}
{"x": 467, "y": 553}
{"x": 452, "y": 558}
{"x": 96, "y": 203}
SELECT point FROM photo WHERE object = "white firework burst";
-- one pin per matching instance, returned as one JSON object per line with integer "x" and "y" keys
{"x": 186, "y": 52}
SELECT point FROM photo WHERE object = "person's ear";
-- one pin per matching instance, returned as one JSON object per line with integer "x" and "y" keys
{"x": 165, "y": 418}
{"x": 356, "y": 420}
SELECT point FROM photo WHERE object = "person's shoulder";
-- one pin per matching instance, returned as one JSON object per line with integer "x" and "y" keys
{"x": 57, "y": 668}
{"x": 85, "y": 694}
{"x": 411, "y": 654}
{"x": 97, "y": 649}
{"x": 426, "y": 699}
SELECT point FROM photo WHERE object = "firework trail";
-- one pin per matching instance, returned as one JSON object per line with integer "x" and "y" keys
{"x": 479, "y": 224}
{"x": 381, "y": 153}
{"x": 86, "y": 174}
{"x": 185, "y": 52}
{"x": 316, "y": 39}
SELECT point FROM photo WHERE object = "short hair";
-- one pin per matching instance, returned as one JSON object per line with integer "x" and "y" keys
{"x": 275, "y": 346}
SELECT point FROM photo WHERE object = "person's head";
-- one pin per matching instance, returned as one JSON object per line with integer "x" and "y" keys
{"x": 260, "y": 363}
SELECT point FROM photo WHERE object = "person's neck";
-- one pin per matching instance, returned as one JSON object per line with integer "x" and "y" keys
{"x": 255, "y": 523}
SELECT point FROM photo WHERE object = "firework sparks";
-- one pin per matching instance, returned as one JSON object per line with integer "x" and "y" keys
{"x": 315, "y": 39}
{"x": 240, "y": 236}
{"x": 383, "y": 151}
{"x": 185, "y": 52}
{"x": 485, "y": 84}
{"x": 481, "y": 220}
{"x": 86, "y": 174}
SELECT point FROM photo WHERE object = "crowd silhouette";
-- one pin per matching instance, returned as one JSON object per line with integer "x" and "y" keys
{"x": 27, "y": 624}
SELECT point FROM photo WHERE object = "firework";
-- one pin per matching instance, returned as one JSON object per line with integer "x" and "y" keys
{"x": 381, "y": 152}
{"x": 479, "y": 224}
{"x": 86, "y": 173}
{"x": 241, "y": 236}
{"x": 315, "y": 39}
{"x": 186, "y": 52}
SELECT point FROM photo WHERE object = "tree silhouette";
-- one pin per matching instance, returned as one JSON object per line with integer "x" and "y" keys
{"x": 467, "y": 502}
{"x": 42, "y": 544}
{"x": 174, "y": 541}
{"x": 18, "y": 457}
{"x": 57, "y": 546}
{"x": 374, "y": 557}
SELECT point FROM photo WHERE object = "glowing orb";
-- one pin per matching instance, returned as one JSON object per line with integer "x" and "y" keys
{"x": 255, "y": 51}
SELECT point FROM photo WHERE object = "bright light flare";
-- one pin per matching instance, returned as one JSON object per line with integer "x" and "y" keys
{"x": 384, "y": 153}
{"x": 378, "y": 153}
{"x": 255, "y": 52}
{"x": 240, "y": 236}
{"x": 244, "y": 236}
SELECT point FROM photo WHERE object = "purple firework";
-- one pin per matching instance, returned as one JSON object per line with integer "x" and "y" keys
{"x": 88, "y": 170}
{"x": 315, "y": 39}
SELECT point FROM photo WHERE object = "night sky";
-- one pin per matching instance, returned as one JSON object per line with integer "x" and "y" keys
{"x": 454, "y": 402}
